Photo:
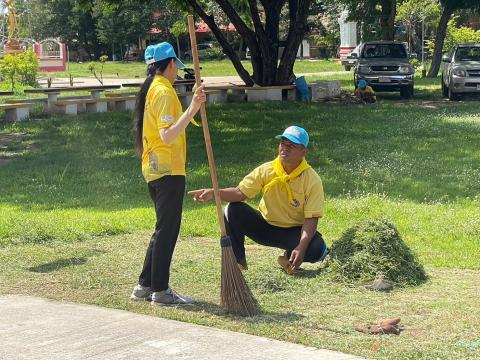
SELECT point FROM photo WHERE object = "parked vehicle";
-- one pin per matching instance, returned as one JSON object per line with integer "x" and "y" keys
{"x": 351, "y": 60}
{"x": 461, "y": 71}
{"x": 201, "y": 48}
{"x": 385, "y": 66}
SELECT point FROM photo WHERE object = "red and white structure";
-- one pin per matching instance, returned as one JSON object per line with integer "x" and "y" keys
{"x": 348, "y": 35}
{"x": 52, "y": 54}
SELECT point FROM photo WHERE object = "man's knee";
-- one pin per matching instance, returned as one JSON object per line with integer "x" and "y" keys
{"x": 233, "y": 210}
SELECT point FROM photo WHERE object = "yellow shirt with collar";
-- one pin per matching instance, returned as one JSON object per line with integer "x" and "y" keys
{"x": 274, "y": 206}
{"x": 162, "y": 109}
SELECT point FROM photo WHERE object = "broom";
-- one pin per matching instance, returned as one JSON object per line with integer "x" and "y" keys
{"x": 235, "y": 296}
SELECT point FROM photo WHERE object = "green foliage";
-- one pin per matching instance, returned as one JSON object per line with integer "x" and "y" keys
{"x": 22, "y": 67}
{"x": 456, "y": 35}
{"x": 179, "y": 28}
{"x": 92, "y": 67}
{"x": 214, "y": 54}
{"x": 374, "y": 247}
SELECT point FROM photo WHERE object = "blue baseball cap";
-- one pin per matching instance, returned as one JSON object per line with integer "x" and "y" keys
{"x": 161, "y": 51}
{"x": 362, "y": 84}
{"x": 295, "y": 134}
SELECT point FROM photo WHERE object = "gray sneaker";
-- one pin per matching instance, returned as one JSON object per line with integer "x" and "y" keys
{"x": 141, "y": 293}
{"x": 169, "y": 297}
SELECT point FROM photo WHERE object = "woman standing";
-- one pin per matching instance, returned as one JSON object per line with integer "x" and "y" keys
{"x": 159, "y": 127}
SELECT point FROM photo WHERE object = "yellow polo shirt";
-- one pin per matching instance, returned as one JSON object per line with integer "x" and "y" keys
{"x": 274, "y": 206}
{"x": 162, "y": 109}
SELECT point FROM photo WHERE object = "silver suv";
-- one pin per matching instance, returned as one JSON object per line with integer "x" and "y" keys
{"x": 385, "y": 66}
{"x": 461, "y": 71}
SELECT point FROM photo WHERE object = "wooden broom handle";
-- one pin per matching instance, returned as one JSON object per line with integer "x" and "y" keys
{"x": 206, "y": 132}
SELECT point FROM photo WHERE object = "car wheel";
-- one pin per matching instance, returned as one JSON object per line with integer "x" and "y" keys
{"x": 348, "y": 67}
{"x": 444, "y": 88}
{"x": 452, "y": 96}
{"x": 406, "y": 92}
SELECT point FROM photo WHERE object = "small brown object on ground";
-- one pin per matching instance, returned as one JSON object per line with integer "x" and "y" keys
{"x": 378, "y": 330}
{"x": 384, "y": 322}
{"x": 285, "y": 264}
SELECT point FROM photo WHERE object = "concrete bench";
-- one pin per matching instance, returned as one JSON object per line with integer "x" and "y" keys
{"x": 16, "y": 111}
{"x": 121, "y": 103}
{"x": 74, "y": 106}
{"x": 213, "y": 96}
{"x": 262, "y": 93}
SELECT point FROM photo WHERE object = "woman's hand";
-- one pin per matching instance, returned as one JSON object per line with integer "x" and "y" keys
{"x": 199, "y": 97}
{"x": 202, "y": 195}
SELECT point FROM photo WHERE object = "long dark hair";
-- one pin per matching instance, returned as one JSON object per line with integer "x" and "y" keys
{"x": 152, "y": 70}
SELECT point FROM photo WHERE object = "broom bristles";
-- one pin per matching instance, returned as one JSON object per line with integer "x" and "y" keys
{"x": 236, "y": 296}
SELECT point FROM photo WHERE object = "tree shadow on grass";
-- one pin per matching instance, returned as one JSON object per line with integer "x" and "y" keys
{"x": 263, "y": 316}
{"x": 58, "y": 264}
{"x": 62, "y": 263}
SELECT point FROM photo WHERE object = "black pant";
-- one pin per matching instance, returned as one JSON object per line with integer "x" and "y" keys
{"x": 167, "y": 195}
{"x": 242, "y": 220}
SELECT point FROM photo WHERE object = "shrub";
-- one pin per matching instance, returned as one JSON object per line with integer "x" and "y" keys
{"x": 21, "y": 67}
{"x": 214, "y": 54}
{"x": 371, "y": 248}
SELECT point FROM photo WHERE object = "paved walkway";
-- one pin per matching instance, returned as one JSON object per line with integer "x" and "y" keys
{"x": 35, "y": 328}
{"x": 209, "y": 80}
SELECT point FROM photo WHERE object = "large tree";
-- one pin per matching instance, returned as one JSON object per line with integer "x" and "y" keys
{"x": 263, "y": 39}
{"x": 449, "y": 6}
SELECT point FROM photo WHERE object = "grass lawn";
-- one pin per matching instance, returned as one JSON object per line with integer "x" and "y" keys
{"x": 209, "y": 68}
{"x": 76, "y": 219}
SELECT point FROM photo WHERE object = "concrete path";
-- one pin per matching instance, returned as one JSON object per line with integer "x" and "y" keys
{"x": 209, "y": 80}
{"x": 35, "y": 328}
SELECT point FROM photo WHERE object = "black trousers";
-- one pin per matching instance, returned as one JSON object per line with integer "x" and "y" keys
{"x": 167, "y": 195}
{"x": 242, "y": 220}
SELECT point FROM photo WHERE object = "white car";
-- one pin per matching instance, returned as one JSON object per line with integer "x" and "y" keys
{"x": 461, "y": 71}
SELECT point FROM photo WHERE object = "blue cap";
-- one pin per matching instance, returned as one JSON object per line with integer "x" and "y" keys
{"x": 296, "y": 135}
{"x": 362, "y": 84}
{"x": 161, "y": 51}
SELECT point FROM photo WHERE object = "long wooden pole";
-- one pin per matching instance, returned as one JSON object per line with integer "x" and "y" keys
{"x": 206, "y": 132}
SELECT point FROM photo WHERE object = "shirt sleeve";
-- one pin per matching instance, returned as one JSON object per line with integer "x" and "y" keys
{"x": 164, "y": 110}
{"x": 315, "y": 199}
{"x": 252, "y": 184}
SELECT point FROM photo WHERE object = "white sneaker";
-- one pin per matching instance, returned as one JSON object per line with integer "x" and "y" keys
{"x": 141, "y": 293}
{"x": 169, "y": 297}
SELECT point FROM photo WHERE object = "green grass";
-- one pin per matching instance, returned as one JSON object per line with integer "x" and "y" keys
{"x": 76, "y": 218}
{"x": 209, "y": 68}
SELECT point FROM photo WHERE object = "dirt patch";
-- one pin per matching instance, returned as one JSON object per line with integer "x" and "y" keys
{"x": 428, "y": 104}
{"x": 5, "y": 139}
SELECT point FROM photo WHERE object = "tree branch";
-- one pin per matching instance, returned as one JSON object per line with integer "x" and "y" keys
{"x": 231, "y": 53}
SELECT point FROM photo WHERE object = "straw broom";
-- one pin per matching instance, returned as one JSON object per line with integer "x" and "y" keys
{"x": 235, "y": 296}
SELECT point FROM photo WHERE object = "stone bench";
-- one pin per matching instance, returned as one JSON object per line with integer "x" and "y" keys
{"x": 262, "y": 93}
{"x": 213, "y": 96}
{"x": 16, "y": 111}
{"x": 74, "y": 106}
{"x": 121, "y": 103}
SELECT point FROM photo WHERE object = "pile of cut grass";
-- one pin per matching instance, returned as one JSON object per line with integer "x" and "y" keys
{"x": 372, "y": 248}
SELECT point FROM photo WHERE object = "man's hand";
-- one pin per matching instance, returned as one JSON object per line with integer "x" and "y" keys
{"x": 199, "y": 97}
{"x": 296, "y": 257}
{"x": 202, "y": 195}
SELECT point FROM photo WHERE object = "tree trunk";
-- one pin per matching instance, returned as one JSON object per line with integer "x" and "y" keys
{"x": 387, "y": 19}
{"x": 298, "y": 27}
{"x": 178, "y": 48}
{"x": 439, "y": 40}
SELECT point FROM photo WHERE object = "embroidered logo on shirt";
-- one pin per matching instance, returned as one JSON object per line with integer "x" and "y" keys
{"x": 295, "y": 203}
{"x": 166, "y": 118}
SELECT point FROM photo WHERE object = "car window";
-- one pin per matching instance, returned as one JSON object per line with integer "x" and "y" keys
{"x": 471, "y": 53}
{"x": 384, "y": 51}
